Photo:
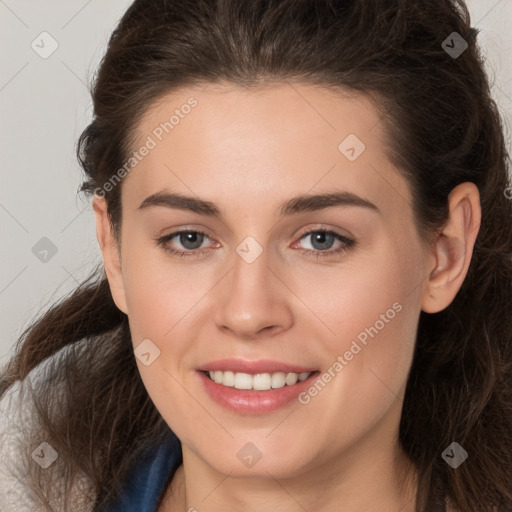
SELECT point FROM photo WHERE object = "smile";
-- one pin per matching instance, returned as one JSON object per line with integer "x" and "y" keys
{"x": 259, "y": 381}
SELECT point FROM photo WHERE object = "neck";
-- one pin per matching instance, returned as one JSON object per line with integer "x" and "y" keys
{"x": 384, "y": 480}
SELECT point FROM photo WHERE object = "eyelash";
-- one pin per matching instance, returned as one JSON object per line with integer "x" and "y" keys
{"x": 348, "y": 243}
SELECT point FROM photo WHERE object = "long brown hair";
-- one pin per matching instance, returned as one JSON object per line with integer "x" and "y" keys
{"x": 443, "y": 129}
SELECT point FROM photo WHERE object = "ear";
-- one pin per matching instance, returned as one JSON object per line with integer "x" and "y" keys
{"x": 110, "y": 252}
{"x": 453, "y": 248}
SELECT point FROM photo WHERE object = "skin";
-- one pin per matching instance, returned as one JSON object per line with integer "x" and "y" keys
{"x": 248, "y": 151}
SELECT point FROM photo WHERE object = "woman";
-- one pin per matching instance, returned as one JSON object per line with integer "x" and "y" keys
{"x": 304, "y": 301}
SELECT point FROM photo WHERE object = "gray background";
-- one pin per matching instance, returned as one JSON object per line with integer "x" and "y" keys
{"x": 45, "y": 105}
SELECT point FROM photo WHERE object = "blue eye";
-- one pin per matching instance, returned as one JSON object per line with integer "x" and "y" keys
{"x": 185, "y": 238}
{"x": 322, "y": 237}
{"x": 192, "y": 241}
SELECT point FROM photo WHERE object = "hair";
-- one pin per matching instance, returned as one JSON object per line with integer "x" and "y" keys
{"x": 442, "y": 128}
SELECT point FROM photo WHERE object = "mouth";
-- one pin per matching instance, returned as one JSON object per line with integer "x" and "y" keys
{"x": 256, "y": 382}
{"x": 254, "y": 387}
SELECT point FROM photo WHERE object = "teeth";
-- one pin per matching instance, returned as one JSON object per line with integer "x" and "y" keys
{"x": 259, "y": 381}
{"x": 291, "y": 379}
{"x": 228, "y": 379}
{"x": 278, "y": 380}
{"x": 242, "y": 381}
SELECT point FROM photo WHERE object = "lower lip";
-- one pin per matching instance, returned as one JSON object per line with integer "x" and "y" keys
{"x": 253, "y": 401}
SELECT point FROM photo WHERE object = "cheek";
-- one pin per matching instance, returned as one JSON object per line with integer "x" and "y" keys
{"x": 363, "y": 298}
{"x": 158, "y": 290}
{"x": 164, "y": 299}
{"x": 371, "y": 311}
{"x": 373, "y": 316}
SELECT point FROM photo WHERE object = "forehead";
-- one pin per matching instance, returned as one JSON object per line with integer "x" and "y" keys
{"x": 251, "y": 144}
{"x": 286, "y": 111}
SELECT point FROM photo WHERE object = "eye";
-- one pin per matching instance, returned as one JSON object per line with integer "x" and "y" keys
{"x": 192, "y": 241}
{"x": 323, "y": 239}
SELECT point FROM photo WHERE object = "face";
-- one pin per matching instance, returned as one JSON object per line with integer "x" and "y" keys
{"x": 325, "y": 291}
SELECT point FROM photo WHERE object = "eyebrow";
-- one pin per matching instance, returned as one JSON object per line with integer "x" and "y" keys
{"x": 295, "y": 205}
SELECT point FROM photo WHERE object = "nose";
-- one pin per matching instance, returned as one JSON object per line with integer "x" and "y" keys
{"x": 254, "y": 301}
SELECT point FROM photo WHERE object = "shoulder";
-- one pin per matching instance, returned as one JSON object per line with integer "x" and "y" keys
{"x": 19, "y": 454}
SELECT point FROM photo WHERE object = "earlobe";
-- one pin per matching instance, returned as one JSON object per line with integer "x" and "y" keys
{"x": 110, "y": 253}
{"x": 453, "y": 248}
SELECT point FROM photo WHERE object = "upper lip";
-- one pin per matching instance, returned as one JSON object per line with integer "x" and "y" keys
{"x": 253, "y": 367}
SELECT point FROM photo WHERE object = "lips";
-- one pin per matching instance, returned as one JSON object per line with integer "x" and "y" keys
{"x": 254, "y": 367}
{"x": 254, "y": 387}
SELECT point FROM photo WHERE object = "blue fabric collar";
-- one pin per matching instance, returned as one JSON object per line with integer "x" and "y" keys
{"x": 147, "y": 483}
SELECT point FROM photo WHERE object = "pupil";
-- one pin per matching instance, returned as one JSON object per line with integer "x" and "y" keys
{"x": 321, "y": 238}
{"x": 190, "y": 238}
